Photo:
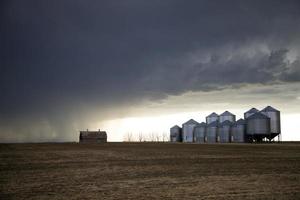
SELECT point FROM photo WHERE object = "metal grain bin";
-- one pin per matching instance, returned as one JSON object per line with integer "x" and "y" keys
{"x": 227, "y": 116}
{"x": 188, "y": 130}
{"x": 175, "y": 134}
{"x": 200, "y": 133}
{"x": 258, "y": 126}
{"x": 238, "y": 131}
{"x": 250, "y": 112}
{"x": 212, "y": 117}
{"x": 212, "y": 132}
{"x": 274, "y": 116}
{"x": 225, "y": 131}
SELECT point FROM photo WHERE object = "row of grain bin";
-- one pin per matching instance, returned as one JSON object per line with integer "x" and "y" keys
{"x": 255, "y": 127}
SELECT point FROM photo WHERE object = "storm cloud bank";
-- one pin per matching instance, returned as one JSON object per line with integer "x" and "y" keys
{"x": 64, "y": 62}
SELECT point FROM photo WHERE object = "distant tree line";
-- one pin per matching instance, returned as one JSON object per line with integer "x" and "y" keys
{"x": 146, "y": 137}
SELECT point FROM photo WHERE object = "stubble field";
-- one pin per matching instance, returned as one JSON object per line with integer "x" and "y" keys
{"x": 149, "y": 171}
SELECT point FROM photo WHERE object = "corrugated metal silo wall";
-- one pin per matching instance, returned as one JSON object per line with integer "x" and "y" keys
{"x": 258, "y": 126}
{"x": 173, "y": 139}
{"x": 188, "y": 132}
{"x": 274, "y": 121}
{"x": 238, "y": 133}
{"x": 211, "y": 134}
{"x": 179, "y": 136}
{"x": 224, "y": 134}
{"x": 199, "y": 134}
{"x": 175, "y": 134}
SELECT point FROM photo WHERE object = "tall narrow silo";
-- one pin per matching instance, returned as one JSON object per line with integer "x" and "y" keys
{"x": 238, "y": 131}
{"x": 250, "y": 112}
{"x": 188, "y": 130}
{"x": 212, "y": 132}
{"x": 257, "y": 126}
{"x": 212, "y": 117}
{"x": 200, "y": 133}
{"x": 274, "y": 116}
{"x": 175, "y": 134}
{"x": 225, "y": 131}
{"x": 227, "y": 116}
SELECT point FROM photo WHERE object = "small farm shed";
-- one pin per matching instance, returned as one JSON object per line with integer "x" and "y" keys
{"x": 92, "y": 136}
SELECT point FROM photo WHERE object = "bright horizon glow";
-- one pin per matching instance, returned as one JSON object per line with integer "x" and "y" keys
{"x": 159, "y": 125}
{"x": 159, "y": 117}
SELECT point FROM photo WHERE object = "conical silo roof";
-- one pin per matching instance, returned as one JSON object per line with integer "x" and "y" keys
{"x": 227, "y": 113}
{"x": 191, "y": 121}
{"x": 176, "y": 126}
{"x": 202, "y": 124}
{"x": 213, "y": 115}
{"x": 269, "y": 109}
{"x": 252, "y": 110}
{"x": 226, "y": 123}
{"x": 240, "y": 122}
{"x": 213, "y": 124}
{"x": 257, "y": 115}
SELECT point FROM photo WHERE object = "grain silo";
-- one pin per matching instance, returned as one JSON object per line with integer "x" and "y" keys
{"x": 175, "y": 134}
{"x": 226, "y": 116}
{"x": 200, "y": 133}
{"x": 188, "y": 130}
{"x": 225, "y": 131}
{"x": 212, "y": 117}
{"x": 212, "y": 132}
{"x": 258, "y": 127}
{"x": 238, "y": 131}
{"x": 250, "y": 112}
{"x": 274, "y": 116}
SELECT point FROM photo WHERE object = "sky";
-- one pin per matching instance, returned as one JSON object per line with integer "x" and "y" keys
{"x": 139, "y": 66}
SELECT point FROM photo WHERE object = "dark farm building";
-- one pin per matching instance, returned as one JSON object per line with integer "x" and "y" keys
{"x": 92, "y": 136}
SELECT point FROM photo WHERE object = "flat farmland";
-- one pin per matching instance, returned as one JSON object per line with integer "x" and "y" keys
{"x": 149, "y": 171}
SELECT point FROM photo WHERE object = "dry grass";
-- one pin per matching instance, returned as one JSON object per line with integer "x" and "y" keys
{"x": 149, "y": 171}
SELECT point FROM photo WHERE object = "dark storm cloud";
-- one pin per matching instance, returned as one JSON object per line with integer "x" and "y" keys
{"x": 61, "y": 59}
{"x": 221, "y": 71}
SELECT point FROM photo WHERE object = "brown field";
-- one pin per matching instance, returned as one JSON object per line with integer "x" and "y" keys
{"x": 149, "y": 171}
